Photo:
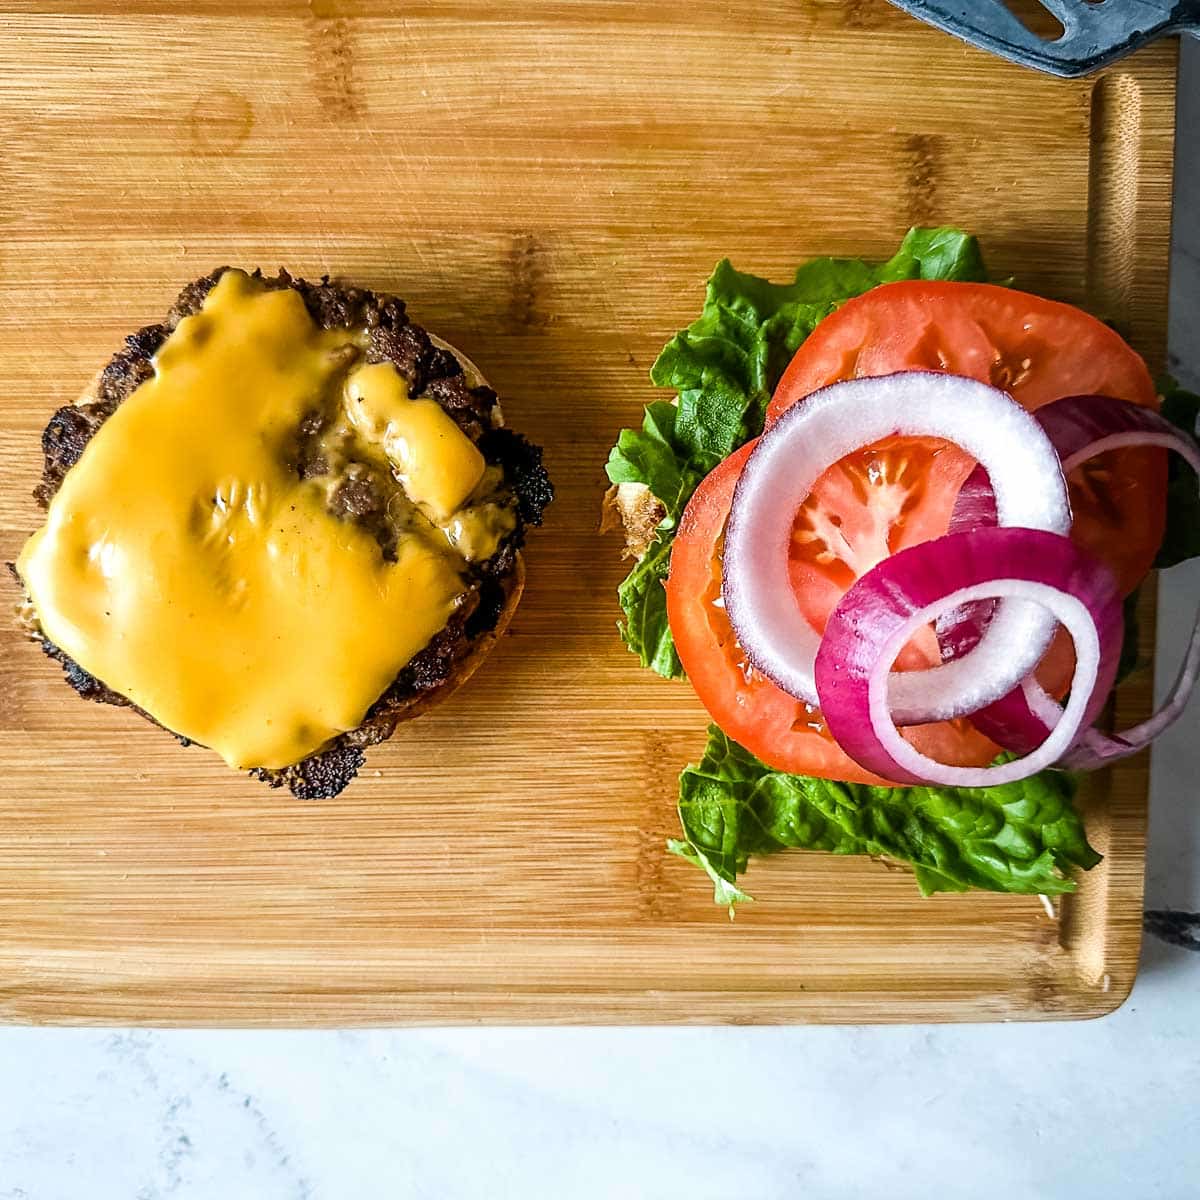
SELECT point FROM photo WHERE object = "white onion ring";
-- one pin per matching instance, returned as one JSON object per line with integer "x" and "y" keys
{"x": 810, "y": 437}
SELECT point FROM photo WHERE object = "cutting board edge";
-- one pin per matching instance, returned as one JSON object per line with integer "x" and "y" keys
{"x": 515, "y": 1009}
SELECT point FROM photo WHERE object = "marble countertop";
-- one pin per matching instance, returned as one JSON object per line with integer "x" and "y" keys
{"x": 1102, "y": 1108}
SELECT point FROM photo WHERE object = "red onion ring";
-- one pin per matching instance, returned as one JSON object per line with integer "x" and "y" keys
{"x": 1080, "y": 428}
{"x": 959, "y": 630}
{"x": 795, "y": 451}
{"x": 883, "y": 609}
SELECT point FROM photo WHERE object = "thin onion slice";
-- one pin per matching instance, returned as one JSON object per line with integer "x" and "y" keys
{"x": 1080, "y": 428}
{"x": 809, "y": 438}
{"x": 884, "y": 608}
{"x": 975, "y": 507}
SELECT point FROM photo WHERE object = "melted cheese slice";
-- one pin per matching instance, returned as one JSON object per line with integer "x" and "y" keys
{"x": 185, "y": 564}
{"x": 437, "y": 466}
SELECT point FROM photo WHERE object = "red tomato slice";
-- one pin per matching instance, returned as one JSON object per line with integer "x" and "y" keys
{"x": 901, "y": 491}
{"x": 1037, "y": 350}
{"x": 784, "y": 732}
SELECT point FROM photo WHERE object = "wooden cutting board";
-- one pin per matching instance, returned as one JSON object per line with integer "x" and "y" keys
{"x": 548, "y": 184}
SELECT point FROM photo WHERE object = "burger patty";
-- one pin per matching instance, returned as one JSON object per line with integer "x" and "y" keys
{"x": 431, "y": 372}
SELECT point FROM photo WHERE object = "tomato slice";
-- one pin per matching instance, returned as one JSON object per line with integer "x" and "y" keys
{"x": 901, "y": 491}
{"x": 1037, "y": 350}
{"x": 784, "y": 732}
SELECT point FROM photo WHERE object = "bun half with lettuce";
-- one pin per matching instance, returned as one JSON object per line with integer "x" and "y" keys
{"x": 890, "y": 528}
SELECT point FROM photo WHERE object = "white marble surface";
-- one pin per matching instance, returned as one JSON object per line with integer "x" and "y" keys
{"x": 1100, "y": 1109}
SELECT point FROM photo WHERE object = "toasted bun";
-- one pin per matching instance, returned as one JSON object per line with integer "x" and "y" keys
{"x": 634, "y": 510}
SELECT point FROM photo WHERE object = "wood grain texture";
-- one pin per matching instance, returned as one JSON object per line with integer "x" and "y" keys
{"x": 548, "y": 184}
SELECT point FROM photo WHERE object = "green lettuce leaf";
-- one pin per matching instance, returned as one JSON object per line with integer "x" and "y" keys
{"x": 644, "y": 603}
{"x": 1131, "y": 659}
{"x": 651, "y": 456}
{"x": 1017, "y": 837}
{"x": 1182, "y": 538}
{"x": 723, "y": 368}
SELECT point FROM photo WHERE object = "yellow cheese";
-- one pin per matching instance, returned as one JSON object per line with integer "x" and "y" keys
{"x": 185, "y": 564}
{"x": 475, "y": 532}
{"x": 436, "y": 463}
